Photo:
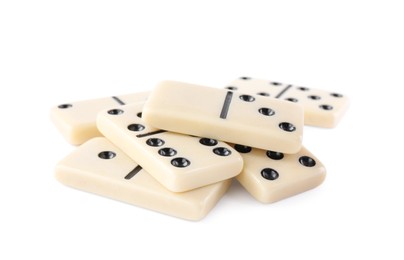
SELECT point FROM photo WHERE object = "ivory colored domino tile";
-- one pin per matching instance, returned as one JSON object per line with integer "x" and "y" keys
{"x": 77, "y": 120}
{"x": 225, "y": 115}
{"x": 179, "y": 162}
{"x": 100, "y": 167}
{"x": 321, "y": 108}
{"x": 272, "y": 176}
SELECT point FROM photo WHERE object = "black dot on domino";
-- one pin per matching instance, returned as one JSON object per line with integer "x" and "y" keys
{"x": 208, "y": 141}
{"x": 115, "y": 111}
{"x": 266, "y": 111}
{"x": 303, "y": 89}
{"x": 275, "y": 83}
{"x": 245, "y": 78}
{"x": 155, "y": 142}
{"x": 326, "y": 107}
{"x": 106, "y": 155}
{"x": 336, "y": 95}
{"x": 168, "y": 152}
{"x": 291, "y": 99}
{"x": 231, "y": 88}
{"x": 314, "y": 97}
{"x": 136, "y": 127}
{"x": 222, "y": 151}
{"x": 264, "y": 94}
{"x": 275, "y": 155}
{"x": 247, "y": 98}
{"x": 180, "y": 162}
{"x": 64, "y": 106}
{"x": 139, "y": 114}
{"x": 307, "y": 161}
{"x": 288, "y": 127}
{"x": 242, "y": 148}
{"x": 269, "y": 174}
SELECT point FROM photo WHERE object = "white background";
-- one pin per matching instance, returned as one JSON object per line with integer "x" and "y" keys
{"x": 53, "y": 52}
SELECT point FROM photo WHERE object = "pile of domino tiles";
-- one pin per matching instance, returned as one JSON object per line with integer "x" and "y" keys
{"x": 177, "y": 148}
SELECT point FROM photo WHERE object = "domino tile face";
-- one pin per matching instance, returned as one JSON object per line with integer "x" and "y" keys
{"x": 77, "y": 120}
{"x": 272, "y": 176}
{"x": 100, "y": 167}
{"x": 225, "y": 115}
{"x": 179, "y": 162}
{"x": 321, "y": 108}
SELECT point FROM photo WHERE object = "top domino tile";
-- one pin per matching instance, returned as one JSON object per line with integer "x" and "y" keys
{"x": 77, "y": 120}
{"x": 226, "y": 115}
{"x": 321, "y": 108}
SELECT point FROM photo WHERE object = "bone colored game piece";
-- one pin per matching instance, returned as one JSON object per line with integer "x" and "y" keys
{"x": 225, "y": 115}
{"x": 77, "y": 120}
{"x": 271, "y": 176}
{"x": 179, "y": 162}
{"x": 321, "y": 108}
{"x": 99, "y": 167}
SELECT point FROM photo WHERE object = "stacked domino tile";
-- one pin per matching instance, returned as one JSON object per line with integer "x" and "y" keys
{"x": 175, "y": 149}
